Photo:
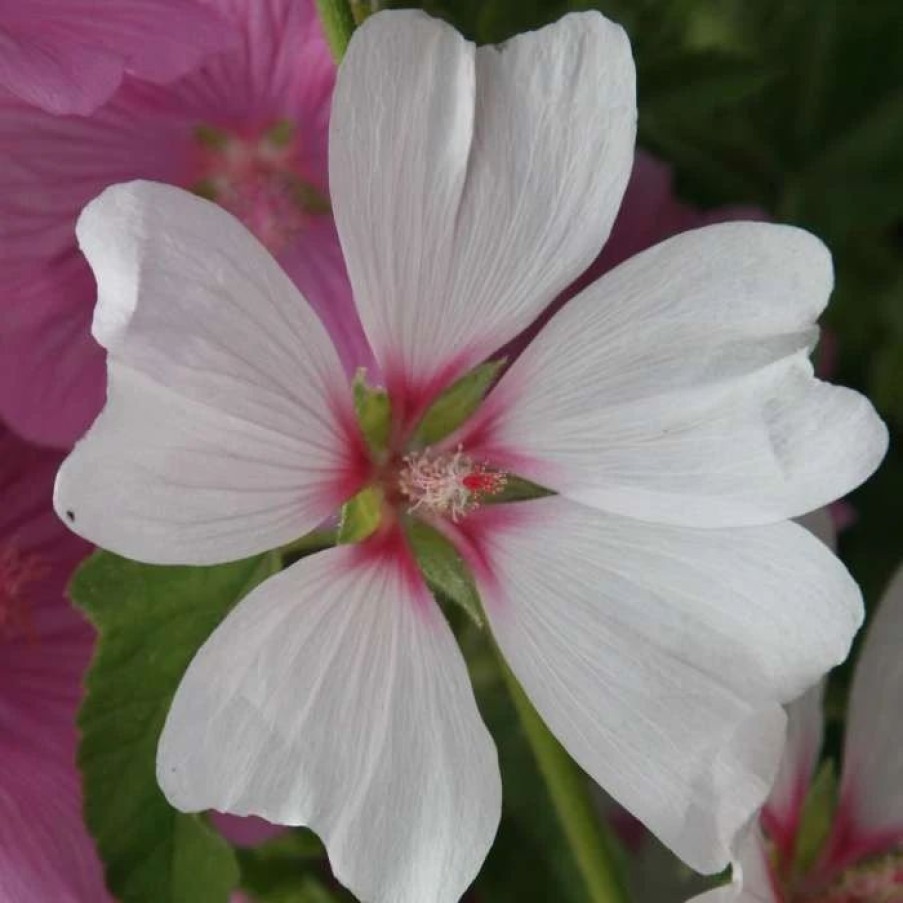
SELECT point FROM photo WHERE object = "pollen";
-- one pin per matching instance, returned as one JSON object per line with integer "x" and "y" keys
{"x": 18, "y": 571}
{"x": 450, "y": 485}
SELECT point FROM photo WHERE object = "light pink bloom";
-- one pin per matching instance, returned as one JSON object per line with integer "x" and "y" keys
{"x": 861, "y": 860}
{"x": 69, "y": 56}
{"x": 657, "y": 611}
{"x": 248, "y": 128}
{"x": 45, "y": 850}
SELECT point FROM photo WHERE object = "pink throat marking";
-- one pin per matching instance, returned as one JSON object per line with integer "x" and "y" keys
{"x": 18, "y": 571}
{"x": 255, "y": 176}
{"x": 447, "y": 484}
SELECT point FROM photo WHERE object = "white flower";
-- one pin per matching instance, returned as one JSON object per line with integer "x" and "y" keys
{"x": 657, "y": 611}
{"x": 861, "y": 858}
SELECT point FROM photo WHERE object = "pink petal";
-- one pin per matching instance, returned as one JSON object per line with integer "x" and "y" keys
{"x": 53, "y": 165}
{"x": 870, "y": 813}
{"x": 245, "y": 832}
{"x": 45, "y": 850}
{"x": 69, "y": 58}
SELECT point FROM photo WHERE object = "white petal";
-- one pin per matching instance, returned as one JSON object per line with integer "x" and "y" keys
{"x": 471, "y": 186}
{"x": 677, "y": 387}
{"x": 334, "y": 696}
{"x": 805, "y": 729}
{"x": 751, "y": 880}
{"x": 659, "y": 656}
{"x": 226, "y": 425}
{"x": 872, "y": 786}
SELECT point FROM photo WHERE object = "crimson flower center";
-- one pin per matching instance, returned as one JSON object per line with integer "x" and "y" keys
{"x": 18, "y": 571}
{"x": 447, "y": 484}
{"x": 256, "y": 176}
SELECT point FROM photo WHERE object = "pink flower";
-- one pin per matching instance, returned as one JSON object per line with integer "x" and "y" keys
{"x": 658, "y": 610}
{"x": 69, "y": 57}
{"x": 45, "y": 850}
{"x": 248, "y": 128}
{"x": 861, "y": 859}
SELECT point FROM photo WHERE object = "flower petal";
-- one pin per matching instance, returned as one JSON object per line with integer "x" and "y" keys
{"x": 751, "y": 880}
{"x": 784, "y": 809}
{"x": 281, "y": 72}
{"x": 334, "y": 696}
{"x": 470, "y": 186}
{"x": 871, "y": 796}
{"x": 227, "y": 425}
{"x": 677, "y": 388}
{"x": 46, "y": 852}
{"x": 659, "y": 655}
{"x": 71, "y": 57}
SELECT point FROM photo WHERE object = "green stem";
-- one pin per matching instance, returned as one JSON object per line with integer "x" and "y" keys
{"x": 593, "y": 849}
{"x": 338, "y": 24}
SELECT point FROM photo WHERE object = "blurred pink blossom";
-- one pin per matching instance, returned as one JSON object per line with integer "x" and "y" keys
{"x": 45, "y": 851}
{"x": 248, "y": 129}
{"x": 70, "y": 57}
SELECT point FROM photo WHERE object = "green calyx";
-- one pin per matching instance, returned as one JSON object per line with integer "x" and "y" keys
{"x": 361, "y": 516}
{"x": 374, "y": 414}
{"x": 461, "y": 399}
{"x": 445, "y": 572}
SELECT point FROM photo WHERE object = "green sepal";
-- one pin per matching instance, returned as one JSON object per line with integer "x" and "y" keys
{"x": 443, "y": 568}
{"x": 517, "y": 489}
{"x": 457, "y": 403}
{"x": 150, "y": 621}
{"x": 816, "y": 818}
{"x": 361, "y": 515}
{"x": 374, "y": 413}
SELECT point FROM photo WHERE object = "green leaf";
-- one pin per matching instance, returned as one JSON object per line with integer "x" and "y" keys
{"x": 457, "y": 403}
{"x": 443, "y": 569}
{"x": 817, "y": 817}
{"x": 374, "y": 413}
{"x": 151, "y": 621}
{"x": 361, "y": 516}
{"x": 338, "y": 25}
{"x": 290, "y": 869}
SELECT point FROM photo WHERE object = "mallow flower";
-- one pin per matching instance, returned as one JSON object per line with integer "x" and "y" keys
{"x": 45, "y": 645}
{"x": 658, "y": 609}
{"x": 70, "y": 57}
{"x": 246, "y": 128}
{"x": 857, "y": 857}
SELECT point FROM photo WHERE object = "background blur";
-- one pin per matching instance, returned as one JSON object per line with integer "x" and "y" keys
{"x": 795, "y": 107}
